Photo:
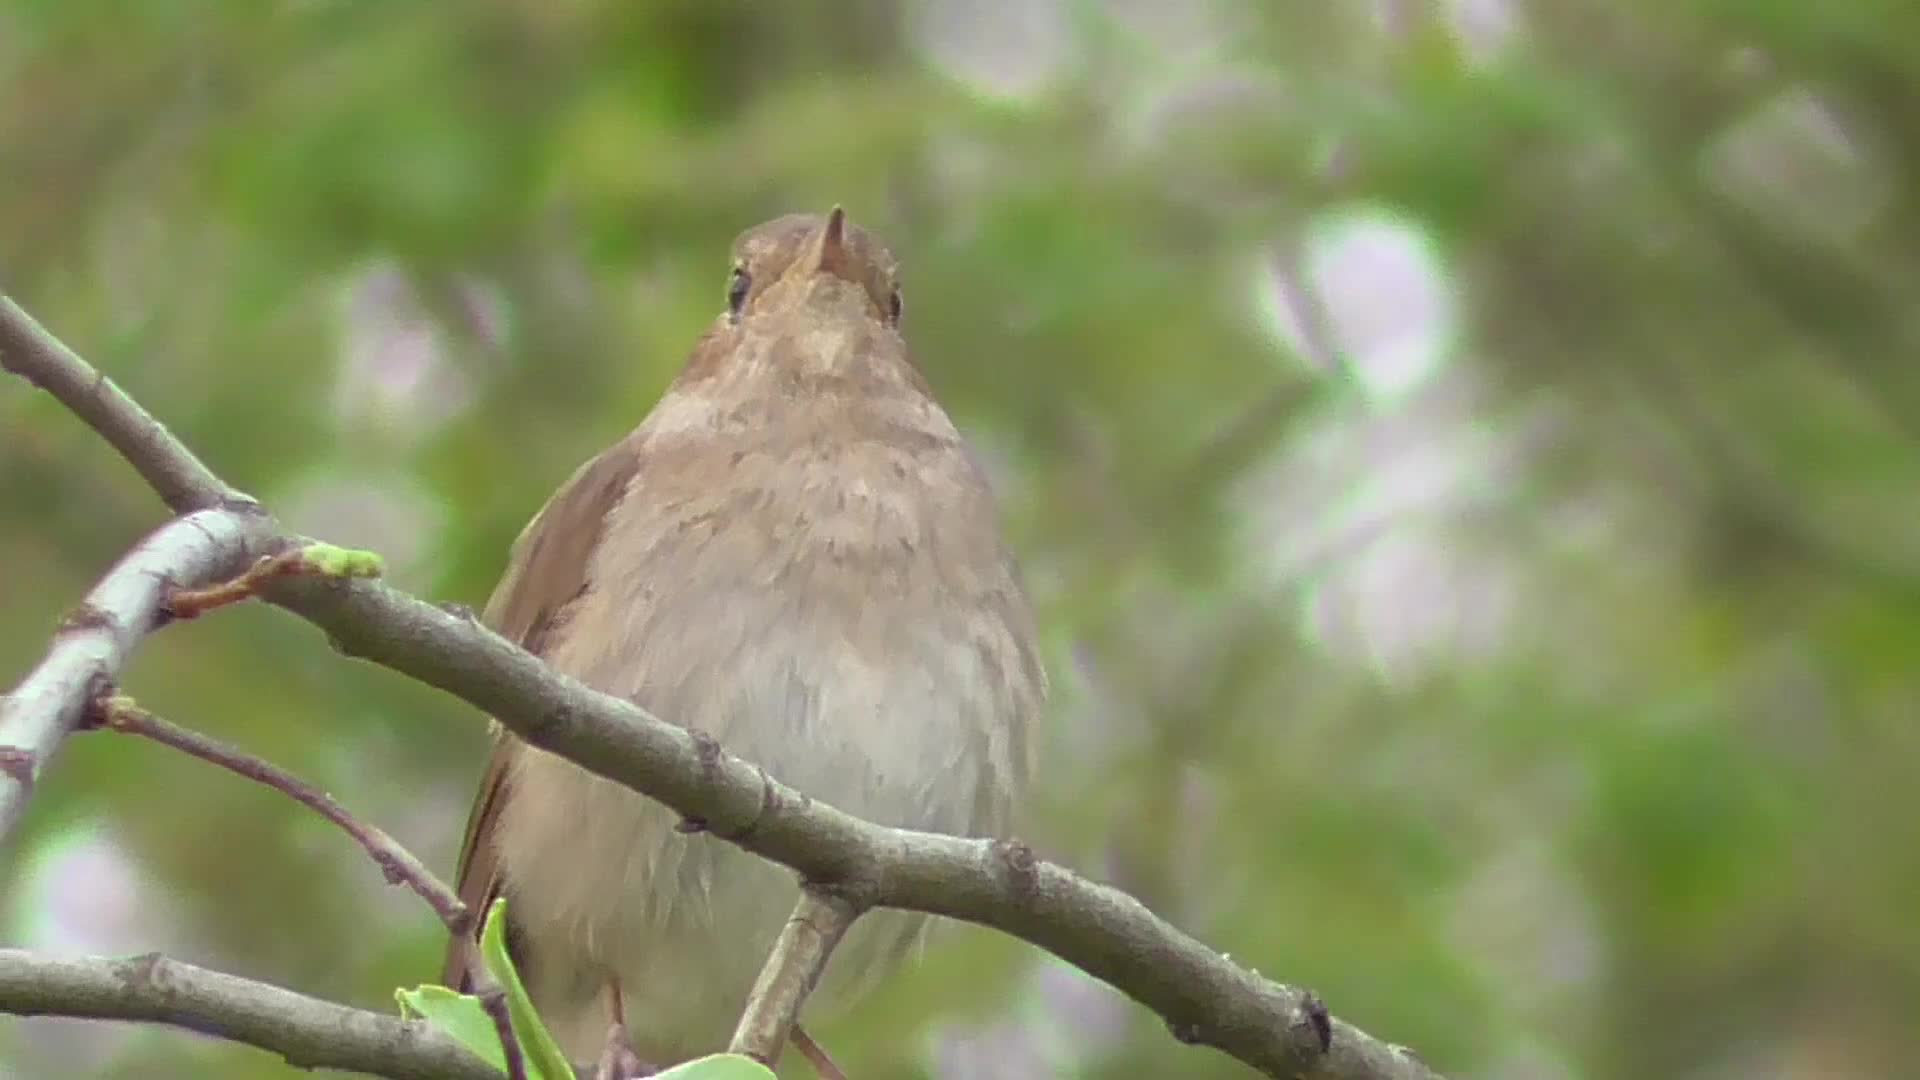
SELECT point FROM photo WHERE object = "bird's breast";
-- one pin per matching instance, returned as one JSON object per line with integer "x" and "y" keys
{"x": 845, "y": 618}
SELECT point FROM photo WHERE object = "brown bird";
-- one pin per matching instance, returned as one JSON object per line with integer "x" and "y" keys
{"x": 797, "y": 553}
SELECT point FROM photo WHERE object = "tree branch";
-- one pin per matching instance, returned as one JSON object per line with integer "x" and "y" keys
{"x": 168, "y": 467}
{"x": 800, "y": 954}
{"x": 307, "y": 1032}
{"x": 95, "y": 640}
{"x": 494, "y": 1000}
{"x": 1204, "y": 997}
{"x": 122, "y": 714}
{"x": 305, "y": 558}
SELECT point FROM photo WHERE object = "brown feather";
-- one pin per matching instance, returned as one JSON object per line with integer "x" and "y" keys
{"x": 796, "y": 553}
{"x": 546, "y": 572}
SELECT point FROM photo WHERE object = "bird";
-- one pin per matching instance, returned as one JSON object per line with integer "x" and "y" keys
{"x": 797, "y": 553}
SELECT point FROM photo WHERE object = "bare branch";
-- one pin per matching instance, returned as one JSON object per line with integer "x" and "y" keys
{"x": 122, "y": 714}
{"x": 800, "y": 954}
{"x": 816, "y": 1056}
{"x": 494, "y": 1000}
{"x": 94, "y": 641}
{"x": 307, "y": 1032}
{"x": 174, "y": 473}
{"x": 1203, "y": 997}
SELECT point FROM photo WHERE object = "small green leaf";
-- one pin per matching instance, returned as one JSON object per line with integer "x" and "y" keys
{"x": 718, "y": 1067}
{"x": 460, "y": 1016}
{"x": 342, "y": 562}
{"x": 542, "y": 1052}
{"x": 465, "y": 1019}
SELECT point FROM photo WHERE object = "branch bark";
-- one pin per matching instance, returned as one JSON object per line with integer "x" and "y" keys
{"x": 307, "y": 1032}
{"x": 95, "y": 640}
{"x": 1203, "y": 997}
{"x": 800, "y": 954}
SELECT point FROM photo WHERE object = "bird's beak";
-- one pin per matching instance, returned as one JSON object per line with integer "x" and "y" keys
{"x": 830, "y": 253}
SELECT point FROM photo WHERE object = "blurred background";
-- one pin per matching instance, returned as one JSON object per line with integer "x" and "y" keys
{"x": 1464, "y": 453}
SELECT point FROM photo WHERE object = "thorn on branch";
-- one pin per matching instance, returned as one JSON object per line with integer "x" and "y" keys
{"x": 314, "y": 560}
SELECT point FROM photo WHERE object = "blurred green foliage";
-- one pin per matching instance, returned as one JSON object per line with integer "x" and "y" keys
{"x": 1551, "y": 713}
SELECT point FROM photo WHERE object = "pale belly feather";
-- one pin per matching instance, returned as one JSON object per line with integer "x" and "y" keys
{"x": 860, "y": 700}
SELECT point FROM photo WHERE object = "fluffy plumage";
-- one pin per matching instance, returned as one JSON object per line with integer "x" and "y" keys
{"x": 797, "y": 553}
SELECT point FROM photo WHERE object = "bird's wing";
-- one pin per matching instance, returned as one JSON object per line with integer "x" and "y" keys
{"x": 545, "y": 574}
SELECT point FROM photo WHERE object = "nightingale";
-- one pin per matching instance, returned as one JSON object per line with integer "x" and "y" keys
{"x": 797, "y": 553}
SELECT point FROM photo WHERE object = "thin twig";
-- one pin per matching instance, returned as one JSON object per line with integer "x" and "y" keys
{"x": 193, "y": 603}
{"x": 123, "y": 714}
{"x": 494, "y": 1000}
{"x": 816, "y": 1055}
{"x": 322, "y": 560}
{"x": 819, "y": 920}
{"x": 308, "y": 1032}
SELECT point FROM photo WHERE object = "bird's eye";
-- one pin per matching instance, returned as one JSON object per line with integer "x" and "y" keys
{"x": 894, "y": 307}
{"x": 737, "y": 287}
